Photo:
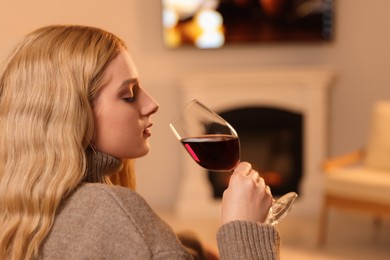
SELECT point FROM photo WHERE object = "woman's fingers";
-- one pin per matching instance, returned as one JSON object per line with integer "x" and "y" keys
{"x": 268, "y": 190}
{"x": 243, "y": 168}
{"x": 247, "y": 196}
{"x": 255, "y": 176}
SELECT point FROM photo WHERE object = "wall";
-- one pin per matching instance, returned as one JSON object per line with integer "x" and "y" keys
{"x": 359, "y": 54}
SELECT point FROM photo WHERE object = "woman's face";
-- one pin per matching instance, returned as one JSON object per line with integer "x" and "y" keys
{"x": 122, "y": 111}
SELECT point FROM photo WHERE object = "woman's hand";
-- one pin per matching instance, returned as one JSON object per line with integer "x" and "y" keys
{"x": 247, "y": 196}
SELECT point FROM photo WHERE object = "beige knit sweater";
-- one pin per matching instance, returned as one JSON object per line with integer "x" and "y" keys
{"x": 100, "y": 221}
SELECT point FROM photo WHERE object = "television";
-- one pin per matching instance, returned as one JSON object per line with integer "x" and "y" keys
{"x": 208, "y": 24}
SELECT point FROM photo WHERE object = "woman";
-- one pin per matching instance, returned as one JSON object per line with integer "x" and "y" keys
{"x": 72, "y": 114}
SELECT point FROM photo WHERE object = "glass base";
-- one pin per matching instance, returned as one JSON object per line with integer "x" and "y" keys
{"x": 280, "y": 208}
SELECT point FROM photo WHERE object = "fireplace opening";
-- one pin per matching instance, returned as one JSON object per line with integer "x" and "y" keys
{"x": 272, "y": 141}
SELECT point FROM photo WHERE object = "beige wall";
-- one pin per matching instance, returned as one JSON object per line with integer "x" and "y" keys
{"x": 360, "y": 54}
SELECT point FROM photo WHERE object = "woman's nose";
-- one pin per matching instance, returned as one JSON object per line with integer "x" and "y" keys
{"x": 150, "y": 106}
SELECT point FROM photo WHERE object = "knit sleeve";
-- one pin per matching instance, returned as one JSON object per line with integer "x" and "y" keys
{"x": 248, "y": 240}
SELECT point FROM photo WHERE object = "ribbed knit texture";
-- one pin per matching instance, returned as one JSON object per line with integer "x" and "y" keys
{"x": 101, "y": 165}
{"x": 248, "y": 240}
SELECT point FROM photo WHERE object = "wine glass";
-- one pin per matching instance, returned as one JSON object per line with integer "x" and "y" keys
{"x": 214, "y": 145}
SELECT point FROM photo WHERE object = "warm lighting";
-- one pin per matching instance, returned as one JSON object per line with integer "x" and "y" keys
{"x": 192, "y": 21}
{"x": 169, "y": 18}
{"x": 189, "y": 22}
{"x": 183, "y": 9}
{"x": 208, "y": 40}
{"x": 209, "y": 20}
{"x": 172, "y": 38}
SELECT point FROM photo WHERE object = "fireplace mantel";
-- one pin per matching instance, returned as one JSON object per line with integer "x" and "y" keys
{"x": 298, "y": 89}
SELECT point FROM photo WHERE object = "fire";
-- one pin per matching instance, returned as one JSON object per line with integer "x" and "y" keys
{"x": 272, "y": 178}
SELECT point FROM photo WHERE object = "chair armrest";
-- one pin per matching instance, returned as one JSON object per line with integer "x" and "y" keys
{"x": 343, "y": 160}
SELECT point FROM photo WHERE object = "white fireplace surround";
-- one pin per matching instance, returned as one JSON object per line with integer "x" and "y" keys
{"x": 298, "y": 89}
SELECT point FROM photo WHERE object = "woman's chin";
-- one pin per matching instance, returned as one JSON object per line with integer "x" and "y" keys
{"x": 140, "y": 153}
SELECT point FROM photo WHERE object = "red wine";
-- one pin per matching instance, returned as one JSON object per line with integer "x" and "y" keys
{"x": 214, "y": 152}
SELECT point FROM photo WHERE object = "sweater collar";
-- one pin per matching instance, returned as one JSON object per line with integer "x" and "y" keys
{"x": 101, "y": 165}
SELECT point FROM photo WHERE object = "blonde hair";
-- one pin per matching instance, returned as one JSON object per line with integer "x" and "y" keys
{"x": 126, "y": 176}
{"x": 46, "y": 123}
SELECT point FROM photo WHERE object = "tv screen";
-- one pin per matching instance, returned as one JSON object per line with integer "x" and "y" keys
{"x": 215, "y": 23}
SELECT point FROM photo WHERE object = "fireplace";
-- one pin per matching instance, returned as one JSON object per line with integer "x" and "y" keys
{"x": 272, "y": 141}
{"x": 286, "y": 140}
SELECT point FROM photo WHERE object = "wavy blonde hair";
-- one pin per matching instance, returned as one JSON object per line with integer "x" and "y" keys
{"x": 46, "y": 123}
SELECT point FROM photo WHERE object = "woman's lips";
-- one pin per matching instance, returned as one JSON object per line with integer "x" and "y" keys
{"x": 148, "y": 132}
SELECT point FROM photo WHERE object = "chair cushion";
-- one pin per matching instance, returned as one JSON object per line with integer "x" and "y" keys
{"x": 359, "y": 182}
{"x": 378, "y": 146}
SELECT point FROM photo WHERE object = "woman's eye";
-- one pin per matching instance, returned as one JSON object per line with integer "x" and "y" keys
{"x": 129, "y": 99}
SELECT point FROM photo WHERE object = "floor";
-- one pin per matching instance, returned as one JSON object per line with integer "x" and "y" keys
{"x": 350, "y": 236}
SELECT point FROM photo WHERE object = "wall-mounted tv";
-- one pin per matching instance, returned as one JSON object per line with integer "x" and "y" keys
{"x": 216, "y": 23}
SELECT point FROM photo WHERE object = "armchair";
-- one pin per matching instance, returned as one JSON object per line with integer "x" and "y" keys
{"x": 360, "y": 181}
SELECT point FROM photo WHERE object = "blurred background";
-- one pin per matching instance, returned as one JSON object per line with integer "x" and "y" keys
{"x": 357, "y": 51}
